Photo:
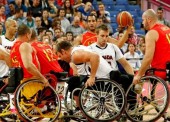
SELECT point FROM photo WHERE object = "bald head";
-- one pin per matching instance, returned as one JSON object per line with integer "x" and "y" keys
{"x": 151, "y": 14}
{"x": 149, "y": 19}
{"x": 76, "y": 21}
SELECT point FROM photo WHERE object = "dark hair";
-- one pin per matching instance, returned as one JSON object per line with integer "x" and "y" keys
{"x": 33, "y": 35}
{"x": 61, "y": 9}
{"x": 69, "y": 32}
{"x": 103, "y": 27}
{"x": 91, "y": 15}
{"x": 160, "y": 8}
{"x": 65, "y": 45}
{"x": 23, "y": 29}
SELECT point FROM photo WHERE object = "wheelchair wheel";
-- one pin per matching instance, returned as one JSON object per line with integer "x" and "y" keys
{"x": 104, "y": 101}
{"x": 35, "y": 102}
{"x": 147, "y": 100}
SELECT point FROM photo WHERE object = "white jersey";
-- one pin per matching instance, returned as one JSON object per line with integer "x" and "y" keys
{"x": 3, "y": 66}
{"x": 103, "y": 70}
{"x": 111, "y": 53}
{"x": 6, "y": 43}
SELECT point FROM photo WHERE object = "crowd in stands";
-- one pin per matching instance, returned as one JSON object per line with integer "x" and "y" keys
{"x": 55, "y": 20}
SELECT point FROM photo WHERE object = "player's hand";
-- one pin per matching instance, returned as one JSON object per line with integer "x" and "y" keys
{"x": 45, "y": 81}
{"x": 5, "y": 80}
{"x": 136, "y": 79}
{"x": 90, "y": 82}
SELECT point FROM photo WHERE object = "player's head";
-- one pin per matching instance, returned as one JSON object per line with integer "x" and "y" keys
{"x": 63, "y": 49}
{"x": 149, "y": 18}
{"x": 102, "y": 35}
{"x": 91, "y": 22}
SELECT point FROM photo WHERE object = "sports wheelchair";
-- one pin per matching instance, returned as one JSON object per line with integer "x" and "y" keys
{"x": 151, "y": 97}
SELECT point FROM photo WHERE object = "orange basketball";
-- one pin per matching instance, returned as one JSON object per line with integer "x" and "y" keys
{"x": 124, "y": 19}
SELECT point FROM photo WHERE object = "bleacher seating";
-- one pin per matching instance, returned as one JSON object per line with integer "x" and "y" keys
{"x": 122, "y": 2}
{"x": 114, "y": 27}
{"x": 133, "y": 8}
{"x": 109, "y": 7}
{"x": 119, "y": 8}
{"x": 137, "y": 25}
{"x": 113, "y": 19}
{"x": 141, "y": 32}
{"x": 113, "y": 13}
{"x": 107, "y": 2}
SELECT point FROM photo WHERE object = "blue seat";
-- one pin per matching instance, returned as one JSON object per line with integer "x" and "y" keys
{"x": 113, "y": 13}
{"x": 107, "y": 2}
{"x": 133, "y": 13}
{"x": 140, "y": 32}
{"x": 114, "y": 26}
{"x": 133, "y": 8}
{"x": 113, "y": 19}
{"x": 109, "y": 7}
{"x": 122, "y": 2}
{"x": 139, "y": 19}
{"x": 119, "y": 8}
{"x": 137, "y": 25}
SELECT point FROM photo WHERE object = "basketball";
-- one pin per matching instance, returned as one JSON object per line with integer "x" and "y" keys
{"x": 124, "y": 19}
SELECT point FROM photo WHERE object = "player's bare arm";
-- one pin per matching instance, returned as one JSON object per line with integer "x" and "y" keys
{"x": 26, "y": 56}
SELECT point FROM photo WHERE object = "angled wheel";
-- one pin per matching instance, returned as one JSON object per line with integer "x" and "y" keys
{"x": 104, "y": 101}
{"x": 35, "y": 102}
{"x": 148, "y": 100}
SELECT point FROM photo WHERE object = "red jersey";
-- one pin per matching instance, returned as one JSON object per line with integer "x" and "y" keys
{"x": 88, "y": 38}
{"x": 162, "y": 49}
{"x": 17, "y": 61}
{"x": 46, "y": 57}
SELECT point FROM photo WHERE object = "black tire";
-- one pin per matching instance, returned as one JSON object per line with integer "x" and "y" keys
{"x": 38, "y": 103}
{"x": 105, "y": 101}
{"x": 150, "y": 103}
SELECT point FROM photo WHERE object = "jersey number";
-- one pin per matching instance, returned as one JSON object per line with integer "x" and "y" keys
{"x": 168, "y": 37}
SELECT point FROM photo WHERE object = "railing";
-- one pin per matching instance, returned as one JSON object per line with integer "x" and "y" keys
{"x": 163, "y": 3}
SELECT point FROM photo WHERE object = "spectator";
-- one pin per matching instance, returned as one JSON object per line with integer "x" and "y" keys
{"x": 53, "y": 10}
{"x": 70, "y": 36}
{"x": 133, "y": 37}
{"x": 57, "y": 33}
{"x": 84, "y": 9}
{"x": 18, "y": 4}
{"x": 83, "y": 23}
{"x": 64, "y": 21}
{"x": 40, "y": 32}
{"x": 2, "y": 14}
{"x": 50, "y": 34}
{"x": 133, "y": 57}
{"x": 142, "y": 50}
{"x": 18, "y": 16}
{"x": 103, "y": 13}
{"x": 75, "y": 27}
{"x": 45, "y": 39}
{"x": 46, "y": 22}
{"x": 69, "y": 10}
{"x": 161, "y": 19}
{"x": 29, "y": 20}
{"x": 61, "y": 2}
{"x": 119, "y": 29}
{"x": 38, "y": 22}
{"x": 36, "y": 8}
{"x": 11, "y": 10}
